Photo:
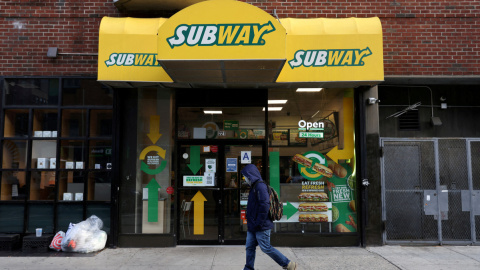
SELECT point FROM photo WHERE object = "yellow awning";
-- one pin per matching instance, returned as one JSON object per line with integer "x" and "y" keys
{"x": 128, "y": 50}
{"x": 225, "y": 43}
{"x": 333, "y": 50}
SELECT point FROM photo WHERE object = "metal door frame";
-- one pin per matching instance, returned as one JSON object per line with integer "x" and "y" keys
{"x": 221, "y": 156}
{"x": 438, "y": 189}
{"x": 470, "y": 186}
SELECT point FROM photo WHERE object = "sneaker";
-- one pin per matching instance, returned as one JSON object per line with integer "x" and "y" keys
{"x": 291, "y": 266}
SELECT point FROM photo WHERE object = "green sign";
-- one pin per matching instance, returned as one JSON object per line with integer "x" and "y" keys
{"x": 230, "y": 125}
{"x": 195, "y": 159}
{"x": 153, "y": 187}
{"x": 311, "y": 135}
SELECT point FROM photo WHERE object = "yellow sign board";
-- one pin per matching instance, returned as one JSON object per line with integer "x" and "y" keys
{"x": 209, "y": 37}
{"x": 221, "y": 30}
{"x": 327, "y": 50}
{"x": 128, "y": 50}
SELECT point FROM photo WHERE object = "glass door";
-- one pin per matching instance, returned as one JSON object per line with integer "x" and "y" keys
{"x": 236, "y": 189}
{"x": 212, "y": 194}
{"x": 199, "y": 194}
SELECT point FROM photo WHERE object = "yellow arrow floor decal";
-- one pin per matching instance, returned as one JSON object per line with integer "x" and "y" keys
{"x": 198, "y": 213}
{"x": 348, "y": 144}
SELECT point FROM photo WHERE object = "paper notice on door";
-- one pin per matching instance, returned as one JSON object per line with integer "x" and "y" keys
{"x": 209, "y": 179}
{"x": 211, "y": 165}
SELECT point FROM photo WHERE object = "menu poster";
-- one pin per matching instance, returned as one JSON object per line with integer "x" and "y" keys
{"x": 295, "y": 140}
{"x": 341, "y": 190}
{"x": 279, "y": 138}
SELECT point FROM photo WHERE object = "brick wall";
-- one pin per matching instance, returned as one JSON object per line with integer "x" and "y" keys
{"x": 429, "y": 38}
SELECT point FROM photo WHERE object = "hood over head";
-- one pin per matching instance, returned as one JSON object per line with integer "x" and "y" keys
{"x": 252, "y": 173}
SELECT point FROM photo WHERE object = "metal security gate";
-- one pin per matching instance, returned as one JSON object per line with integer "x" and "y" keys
{"x": 431, "y": 190}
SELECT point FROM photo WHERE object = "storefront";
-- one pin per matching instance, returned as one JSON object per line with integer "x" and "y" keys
{"x": 220, "y": 85}
{"x": 187, "y": 102}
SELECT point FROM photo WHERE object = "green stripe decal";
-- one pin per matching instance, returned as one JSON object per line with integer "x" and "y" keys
{"x": 275, "y": 171}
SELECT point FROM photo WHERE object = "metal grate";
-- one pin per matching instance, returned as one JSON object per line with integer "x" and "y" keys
{"x": 412, "y": 200}
{"x": 454, "y": 178}
{"x": 475, "y": 161}
{"x": 410, "y": 120}
{"x": 407, "y": 174}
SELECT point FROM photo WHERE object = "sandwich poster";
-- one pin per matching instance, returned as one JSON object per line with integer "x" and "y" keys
{"x": 341, "y": 191}
{"x": 326, "y": 183}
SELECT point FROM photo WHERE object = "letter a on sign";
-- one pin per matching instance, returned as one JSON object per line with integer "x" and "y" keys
{"x": 246, "y": 157}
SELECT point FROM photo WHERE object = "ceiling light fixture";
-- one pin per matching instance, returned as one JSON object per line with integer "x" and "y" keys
{"x": 309, "y": 89}
{"x": 277, "y": 101}
{"x": 212, "y": 112}
{"x": 273, "y": 109}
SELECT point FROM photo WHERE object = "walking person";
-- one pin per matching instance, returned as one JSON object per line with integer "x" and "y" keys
{"x": 258, "y": 222}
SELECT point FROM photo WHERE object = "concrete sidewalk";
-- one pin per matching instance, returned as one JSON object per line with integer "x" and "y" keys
{"x": 233, "y": 257}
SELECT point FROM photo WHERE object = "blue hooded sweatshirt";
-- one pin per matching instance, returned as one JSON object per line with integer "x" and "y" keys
{"x": 258, "y": 201}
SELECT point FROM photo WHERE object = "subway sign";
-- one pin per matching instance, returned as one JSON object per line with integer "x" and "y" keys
{"x": 132, "y": 59}
{"x": 322, "y": 58}
{"x": 249, "y": 34}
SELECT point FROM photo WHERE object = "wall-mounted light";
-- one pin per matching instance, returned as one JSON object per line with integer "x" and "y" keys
{"x": 372, "y": 100}
{"x": 443, "y": 104}
{"x": 52, "y": 52}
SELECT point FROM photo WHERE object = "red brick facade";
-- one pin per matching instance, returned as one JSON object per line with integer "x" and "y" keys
{"x": 421, "y": 37}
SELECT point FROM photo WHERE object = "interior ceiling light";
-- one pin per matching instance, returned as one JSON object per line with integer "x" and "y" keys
{"x": 277, "y": 101}
{"x": 212, "y": 112}
{"x": 309, "y": 89}
{"x": 273, "y": 109}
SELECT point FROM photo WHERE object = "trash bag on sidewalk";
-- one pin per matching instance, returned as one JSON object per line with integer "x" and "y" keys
{"x": 56, "y": 243}
{"x": 85, "y": 237}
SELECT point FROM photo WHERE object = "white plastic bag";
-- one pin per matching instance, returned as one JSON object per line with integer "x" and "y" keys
{"x": 85, "y": 237}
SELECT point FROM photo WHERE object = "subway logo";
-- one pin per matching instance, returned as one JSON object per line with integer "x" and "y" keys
{"x": 321, "y": 58}
{"x": 220, "y": 34}
{"x": 132, "y": 59}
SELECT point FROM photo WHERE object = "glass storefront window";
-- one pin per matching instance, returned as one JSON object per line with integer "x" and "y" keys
{"x": 50, "y": 147}
{"x": 221, "y": 123}
{"x": 13, "y": 186}
{"x": 147, "y": 196}
{"x": 100, "y": 154}
{"x": 311, "y": 158}
{"x": 99, "y": 186}
{"x": 43, "y": 154}
{"x": 78, "y": 92}
{"x": 72, "y": 154}
{"x": 31, "y": 91}
{"x": 42, "y": 186}
{"x": 14, "y": 154}
{"x": 101, "y": 123}
{"x": 74, "y": 123}
{"x": 45, "y": 123}
{"x": 71, "y": 186}
{"x": 16, "y": 123}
